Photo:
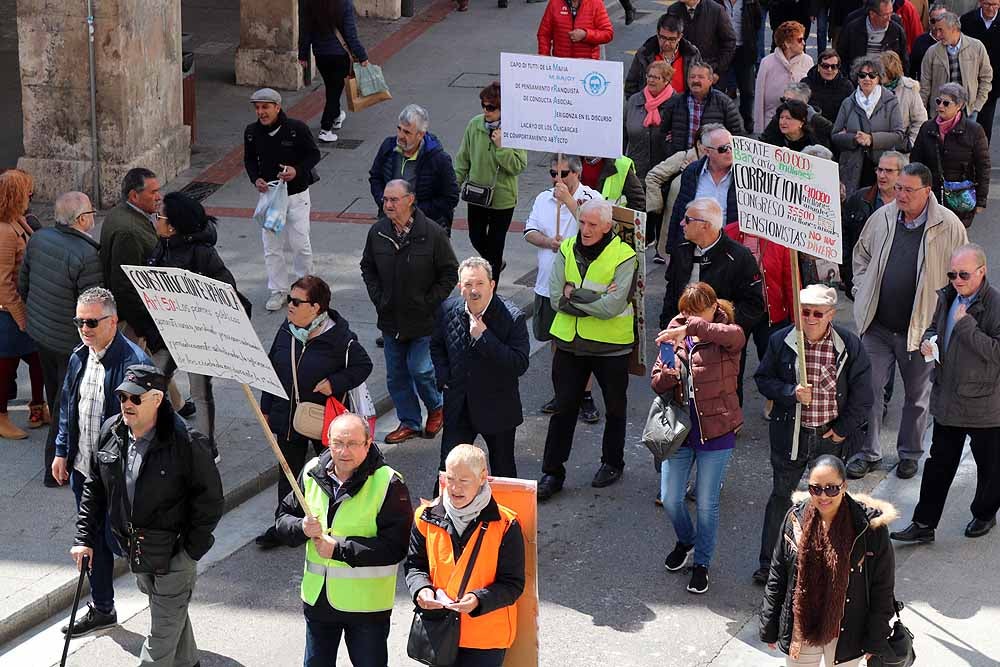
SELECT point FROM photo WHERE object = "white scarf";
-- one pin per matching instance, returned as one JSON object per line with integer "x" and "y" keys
{"x": 869, "y": 103}
{"x": 461, "y": 517}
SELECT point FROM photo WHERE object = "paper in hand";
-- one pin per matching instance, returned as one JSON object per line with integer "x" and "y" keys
{"x": 442, "y": 597}
{"x": 936, "y": 352}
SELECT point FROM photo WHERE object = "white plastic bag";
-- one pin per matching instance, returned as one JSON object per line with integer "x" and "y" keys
{"x": 272, "y": 207}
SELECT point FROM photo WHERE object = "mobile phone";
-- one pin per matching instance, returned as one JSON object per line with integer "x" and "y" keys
{"x": 667, "y": 354}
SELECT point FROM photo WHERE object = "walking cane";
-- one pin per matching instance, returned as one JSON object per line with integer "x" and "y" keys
{"x": 72, "y": 615}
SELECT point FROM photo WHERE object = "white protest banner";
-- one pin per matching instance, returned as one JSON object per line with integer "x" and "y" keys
{"x": 204, "y": 326}
{"x": 562, "y": 105}
{"x": 788, "y": 197}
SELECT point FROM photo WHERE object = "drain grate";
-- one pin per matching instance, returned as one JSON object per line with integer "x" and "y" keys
{"x": 347, "y": 144}
{"x": 473, "y": 80}
{"x": 200, "y": 190}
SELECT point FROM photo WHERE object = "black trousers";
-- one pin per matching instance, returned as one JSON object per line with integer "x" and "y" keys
{"x": 296, "y": 451}
{"x": 480, "y": 657}
{"x": 743, "y": 73}
{"x": 488, "y": 234}
{"x": 570, "y": 373}
{"x": 54, "y": 366}
{"x": 333, "y": 69}
{"x": 499, "y": 445}
{"x": 986, "y": 116}
{"x": 947, "y": 444}
{"x": 761, "y": 334}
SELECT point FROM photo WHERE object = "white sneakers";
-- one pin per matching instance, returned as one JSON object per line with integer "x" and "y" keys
{"x": 339, "y": 123}
{"x": 327, "y": 137}
{"x": 276, "y": 301}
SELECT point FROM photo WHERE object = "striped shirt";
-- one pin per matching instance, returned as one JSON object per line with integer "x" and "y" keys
{"x": 90, "y": 410}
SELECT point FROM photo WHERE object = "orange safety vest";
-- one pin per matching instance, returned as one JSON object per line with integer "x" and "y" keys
{"x": 489, "y": 631}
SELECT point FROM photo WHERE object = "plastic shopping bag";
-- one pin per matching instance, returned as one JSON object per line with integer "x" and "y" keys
{"x": 370, "y": 79}
{"x": 272, "y": 207}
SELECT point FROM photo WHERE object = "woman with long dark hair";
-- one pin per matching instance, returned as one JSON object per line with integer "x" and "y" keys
{"x": 329, "y": 27}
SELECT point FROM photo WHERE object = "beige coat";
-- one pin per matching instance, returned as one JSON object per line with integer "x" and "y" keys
{"x": 911, "y": 108}
{"x": 943, "y": 232}
{"x": 977, "y": 73}
{"x": 663, "y": 172}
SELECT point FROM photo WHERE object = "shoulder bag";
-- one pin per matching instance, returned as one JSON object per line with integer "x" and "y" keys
{"x": 358, "y": 400}
{"x": 307, "y": 420}
{"x": 900, "y": 640}
{"x": 365, "y": 86}
{"x": 480, "y": 195}
{"x": 434, "y": 633}
{"x": 668, "y": 422}
{"x": 957, "y": 196}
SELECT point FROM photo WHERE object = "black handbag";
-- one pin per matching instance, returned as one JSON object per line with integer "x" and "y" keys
{"x": 480, "y": 195}
{"x": 150, "y": 550}
{"x": 434, "y": 633}
{"x": 900, "y": 641}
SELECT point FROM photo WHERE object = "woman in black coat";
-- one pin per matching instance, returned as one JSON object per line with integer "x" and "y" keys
{"x": 830, "y": 591}
{"x": 829, "y": 84}
{"x": 187, "y": 241}
{"x": 792, "y": 129}
{"x": 329, "y": 361}
{"x": 955, "y": 149}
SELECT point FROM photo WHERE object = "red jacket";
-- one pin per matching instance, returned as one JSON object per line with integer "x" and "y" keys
{"x": 557, "y": 22}
{"x": 912, "y": 25}
{"x": 775, "y": 266}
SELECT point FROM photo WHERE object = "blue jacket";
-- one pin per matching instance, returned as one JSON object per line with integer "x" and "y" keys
{"x": 688, "y": 191}
{"x": 482, "y": 374}
{"x": 121, "y": 354}
{"x": 327, "y": 44}
{"x": 434, "y": 184}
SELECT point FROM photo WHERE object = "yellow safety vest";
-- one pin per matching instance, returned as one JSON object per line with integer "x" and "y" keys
{"x": 350, "y": 589}
{"x": 614, "y": 184}
{"x": 600, "y": 274}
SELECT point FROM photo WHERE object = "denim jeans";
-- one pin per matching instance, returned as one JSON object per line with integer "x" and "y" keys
{"x": 366, "y": 642}
{"x": 101, "y": 575}
{"x": 409, "y": 372}
{"x": 673, "y": 480}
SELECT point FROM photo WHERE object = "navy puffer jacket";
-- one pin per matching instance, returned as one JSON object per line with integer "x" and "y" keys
{"x": 435, "y": 185}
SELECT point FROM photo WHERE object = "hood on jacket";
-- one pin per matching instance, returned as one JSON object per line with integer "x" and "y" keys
{"x": 431, "y": 144}
{"x": 878, "y": 512}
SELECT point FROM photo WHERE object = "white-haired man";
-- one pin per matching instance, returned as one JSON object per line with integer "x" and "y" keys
{"x": 590, "y": 290}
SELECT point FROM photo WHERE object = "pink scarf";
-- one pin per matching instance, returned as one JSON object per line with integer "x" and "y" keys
{"x": 945, "y": 126}
{"x": 652, "y": 105}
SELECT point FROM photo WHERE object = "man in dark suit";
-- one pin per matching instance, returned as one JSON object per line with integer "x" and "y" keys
{"x": 480, "y": 348}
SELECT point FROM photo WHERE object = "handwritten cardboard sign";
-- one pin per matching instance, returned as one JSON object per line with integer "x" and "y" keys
{"x": 562, "y": 105}
{"x": 788, "y": 197}
{"x": 204, "y": 326}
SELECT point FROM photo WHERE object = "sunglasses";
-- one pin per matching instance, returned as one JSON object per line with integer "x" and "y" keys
{"x": 867, "y": 75}
{"x": 490, "y": 107}
{"x": 942, "y": 102}
{"x": 964, "y": 275}
{"x": 296, "y": 302}
{"x": 124, "y": 398}
{"x": 90, "y": 323}
{"x": 830, "y": 490}
{"x": 812, "y": 313}
{"x": 562, "y": 174}
{"x": 801, "y": 40}
{"x": 829, "y": 66}
{"x": 688, "y": 220}
{"x": 721, "y": 150}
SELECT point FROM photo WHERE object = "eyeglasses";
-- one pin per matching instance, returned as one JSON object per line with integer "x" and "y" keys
{"x": 884, "y": 170}
{"x": 943, "y": 102}
{"x": 688, "y": 220}
{"x": 830, "y": 490}
{"x": 899, "y": 188}
{"x": 668, "y": 40}
{"x": 85, "y": 213}
{"x": 721, "y": 150}
{"x": 90, "y": 323}
{"x": 813, "y": 313}
{"x": 562, "y": 174}
{"x": 394, "y": 200}
{"x": 829, "y": 66}
{"x": 801, "y": 40}
{"x": 334, "y": 444}
{"x": 964, "y": 275}
{"x": 297, "y": 302}
{"x": 124, "y": 398}
{"x": 867, "y": 75}
{"x": 490, "y": 107}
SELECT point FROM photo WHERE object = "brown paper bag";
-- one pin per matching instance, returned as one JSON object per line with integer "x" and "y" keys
{"x": 356, "y": 101}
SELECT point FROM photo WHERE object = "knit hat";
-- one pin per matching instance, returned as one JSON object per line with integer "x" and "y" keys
{"x": 184, "y": 214}
{"x": 818, "y": 295}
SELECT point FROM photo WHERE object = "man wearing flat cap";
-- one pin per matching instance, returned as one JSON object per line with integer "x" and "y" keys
{"x": 279, "y": 148}
{"x": 832, "y": 408}
{"x": 157, "y": 483}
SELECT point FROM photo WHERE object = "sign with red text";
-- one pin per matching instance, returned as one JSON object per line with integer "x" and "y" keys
{"x": 203, "y": 324}
{"x": 788, "y": 197}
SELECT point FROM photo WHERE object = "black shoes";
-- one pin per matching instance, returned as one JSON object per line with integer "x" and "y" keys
{"x": 92, "y": 621}
{"x": 548, "y": 486}
{"x": 550, "y": 407}
{"x": 268, "y": 539}
{"x": 978, "y": 528}
{"x": 760, "y": 575}
{"x": 629, "y": 16}
{"x": 677, "y": 558}
{"x": 906, "y": 468}
{"x": 380, "y": 342}
{"x": 915, "y": 533}
{"x": 858, "y": 468}
{"x": 588, "y": 411}
{"x": 502, "y": 4}
{"x": 699, "y": 580}
{"x": 606, "y": 476}
{"x": 188, "y": 409}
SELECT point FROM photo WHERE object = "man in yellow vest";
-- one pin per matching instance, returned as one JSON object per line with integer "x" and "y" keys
{"x": 616, "y": 180}
{"x": 356, "y": 530}
{"x": 590, "y": 288}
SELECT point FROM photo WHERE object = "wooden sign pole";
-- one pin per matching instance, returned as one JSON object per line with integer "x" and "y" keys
{"x": 800, "y": 345}
{"x": 559, "y": 159}
{"x": 289, "y": 475}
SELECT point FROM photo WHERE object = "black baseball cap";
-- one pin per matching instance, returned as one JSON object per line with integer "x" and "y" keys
{"x": 140, "y": 378}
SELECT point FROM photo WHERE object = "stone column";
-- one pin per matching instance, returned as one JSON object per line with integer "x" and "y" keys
{"x": 378, "y": 9}
{"x": 268, "y": 54}
{"x": 138, "y": 77}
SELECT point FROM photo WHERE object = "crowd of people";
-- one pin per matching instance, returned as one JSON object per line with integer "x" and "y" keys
{"x": 903, "y": 100}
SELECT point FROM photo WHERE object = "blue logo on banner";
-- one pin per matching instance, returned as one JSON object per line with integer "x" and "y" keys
{"x": 595, "y": 84}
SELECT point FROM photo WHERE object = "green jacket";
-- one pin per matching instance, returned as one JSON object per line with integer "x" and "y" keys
{"x": 477, "y": 161}
{"x": 127, "y": 238}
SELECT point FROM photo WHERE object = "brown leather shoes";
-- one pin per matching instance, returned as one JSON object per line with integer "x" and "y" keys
{"x": 8, "y": 431}
{"x": 435, "y": 422}
{"x": 401, "y": 434}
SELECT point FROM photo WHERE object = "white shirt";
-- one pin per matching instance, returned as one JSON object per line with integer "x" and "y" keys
{"x": 470, "y": 314}
{"x": 986, "y": 21}
{"x": 543, "y": 219}
{"x": 90, "y": 409}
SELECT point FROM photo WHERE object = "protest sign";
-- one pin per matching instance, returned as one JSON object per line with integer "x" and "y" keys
{"x": 788, "y": 197}
{"x": 204, "y": 327}
{"x": 630, "y": 226}
{"x": 562, "y": 105}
